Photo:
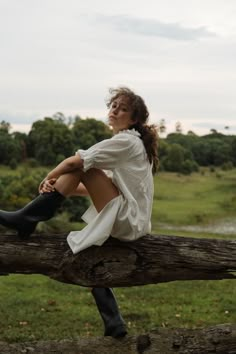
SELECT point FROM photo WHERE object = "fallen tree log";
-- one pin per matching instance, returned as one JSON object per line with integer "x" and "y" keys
{"x": 149, "y": 260}
{"x": 220, "y": 339}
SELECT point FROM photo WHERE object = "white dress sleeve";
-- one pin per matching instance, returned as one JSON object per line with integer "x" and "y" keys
{"x": 109, "y": 153}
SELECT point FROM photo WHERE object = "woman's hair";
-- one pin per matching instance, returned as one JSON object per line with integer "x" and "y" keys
{"x": 140, "y": 116}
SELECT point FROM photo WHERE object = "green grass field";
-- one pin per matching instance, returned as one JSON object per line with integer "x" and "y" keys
{"x": 196, "y": 199}
{"x": 34, "y": 307}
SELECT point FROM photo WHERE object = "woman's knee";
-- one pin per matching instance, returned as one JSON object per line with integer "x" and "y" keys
{"x": 68, "y": 182}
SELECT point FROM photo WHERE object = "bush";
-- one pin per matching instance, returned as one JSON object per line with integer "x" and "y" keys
{"x": 212, "y": 169}
{"x": 189, "y": 166}
{"x": 20, "y": 188}
{"x": 32, "y": 162}
{"x": 218, "y": 175}
{"x": 13, "y": 164}
{"x": 75, "y": 206}
{"x": 173, "y": 160}
{"x": 202, "y": 171}
{"x": 227, "y": 166}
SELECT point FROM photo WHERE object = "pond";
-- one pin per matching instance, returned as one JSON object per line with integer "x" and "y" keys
{"x": 225, "y": 226}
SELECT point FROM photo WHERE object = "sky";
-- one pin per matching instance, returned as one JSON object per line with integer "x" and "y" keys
{"x": 64, "y": 55}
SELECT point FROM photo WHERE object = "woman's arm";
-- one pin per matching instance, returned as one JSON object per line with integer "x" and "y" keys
{"x": 68, "y": 165}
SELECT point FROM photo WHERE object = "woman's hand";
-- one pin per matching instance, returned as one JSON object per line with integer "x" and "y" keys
{"x": 46, "y": 185}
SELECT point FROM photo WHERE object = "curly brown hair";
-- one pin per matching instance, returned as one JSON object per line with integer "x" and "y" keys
{"x": 140, "y": 116}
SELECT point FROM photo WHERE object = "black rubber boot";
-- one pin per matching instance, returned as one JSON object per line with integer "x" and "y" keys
{"x": 25, "y": 220}
{"x": 109, "y": 311}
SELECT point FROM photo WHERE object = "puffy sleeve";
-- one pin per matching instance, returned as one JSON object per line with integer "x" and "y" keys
{"x": 109, "y": 153}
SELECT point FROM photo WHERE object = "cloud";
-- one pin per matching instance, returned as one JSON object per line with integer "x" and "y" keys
{"x": 154, "y": 28}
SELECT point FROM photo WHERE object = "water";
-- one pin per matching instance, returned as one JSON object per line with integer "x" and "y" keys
{"x": 224, "y": 227}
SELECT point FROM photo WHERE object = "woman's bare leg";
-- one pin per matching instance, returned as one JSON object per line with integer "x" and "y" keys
{"x": 66, "y": 184}
{"x": 100, "y": 187}
{"x": 102, "y": 191}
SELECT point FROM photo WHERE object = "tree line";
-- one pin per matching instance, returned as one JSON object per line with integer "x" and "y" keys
{"x": 49, "y": 142}
{"x": 52, "y": 139}
{"x": 185, "y": 153}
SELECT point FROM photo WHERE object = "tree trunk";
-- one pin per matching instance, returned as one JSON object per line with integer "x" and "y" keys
{"x": 220, "y": 339}
{"x": 149, "y": 260}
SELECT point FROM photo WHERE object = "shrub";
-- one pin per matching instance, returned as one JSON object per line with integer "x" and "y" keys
{"x": 212, "y": 169}
{"x": 13, "y": 164}
{"x": 75, "y": 206}
{"x": 32, "y": 162}
{"x": 227, "y": 166}
{"x": 189, "y": 166}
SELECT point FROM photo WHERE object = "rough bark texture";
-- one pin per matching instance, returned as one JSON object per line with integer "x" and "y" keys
{"x": 220, "y": 339}
{"x": 149, "y": 260}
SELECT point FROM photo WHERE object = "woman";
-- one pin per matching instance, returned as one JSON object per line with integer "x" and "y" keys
{"x": 121, "y": 203}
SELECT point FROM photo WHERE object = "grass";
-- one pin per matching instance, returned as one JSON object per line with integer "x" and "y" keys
{"x": 196, "y": 199}
{"x": 35, "y": 307}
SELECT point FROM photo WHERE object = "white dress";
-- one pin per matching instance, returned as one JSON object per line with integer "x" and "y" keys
{"x": 128, "y": 216}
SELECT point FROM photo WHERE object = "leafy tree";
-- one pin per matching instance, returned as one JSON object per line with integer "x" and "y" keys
{"x": 59, "y": 117}
{"x": 189, "y": 166}
{"x": 178, "y": 128}
{"x": 212, "y": 149}
{"x": 5, "y": 126}
{"x": 174, "y": 159}
{"x": 163, "y": 148}
{"x": 49, "y": 138}
{"x": 13, "y": 164}
{"x": 233, "y": 151}
{"x": 218, "y": 150}
{"x": 201, "y": 151}
{"x": 55, "y": 138}
{"x": 89, "y": 131}
{"x": 186, "y": 141}
{"x": 22, "y": 140}
{"x": 162, "y": 126}
{"x": 191, "y": 133}
{"x": 10, "y": 148}
{"x": 179, "y": 159}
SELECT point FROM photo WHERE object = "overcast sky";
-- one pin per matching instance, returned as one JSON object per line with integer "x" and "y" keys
{"x": 63, "y": 55}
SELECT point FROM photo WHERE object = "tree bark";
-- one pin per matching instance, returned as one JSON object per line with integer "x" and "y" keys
{"x": 149, "y": 260}
{"x": 220, "y": 339}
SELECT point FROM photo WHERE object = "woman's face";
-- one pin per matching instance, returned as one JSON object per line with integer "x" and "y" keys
{"x": 120, "y": 114}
